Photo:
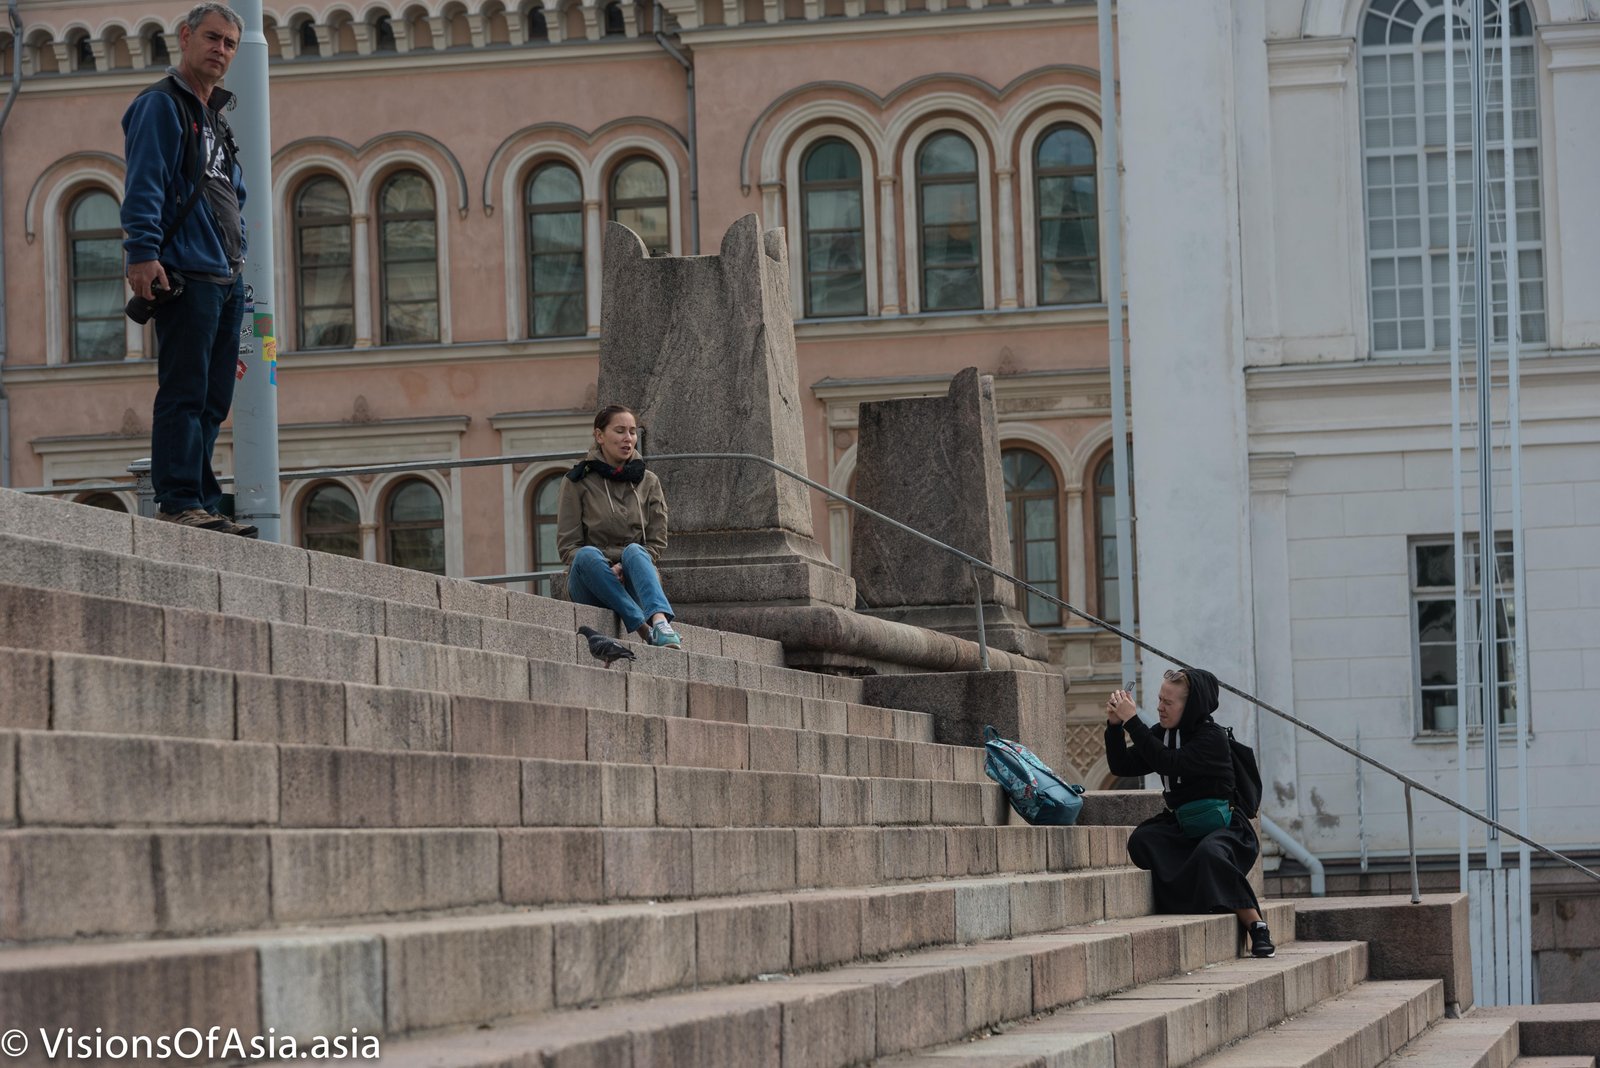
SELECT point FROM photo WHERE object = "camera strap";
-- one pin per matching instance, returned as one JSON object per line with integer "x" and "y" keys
{"x": 197, "y": 128}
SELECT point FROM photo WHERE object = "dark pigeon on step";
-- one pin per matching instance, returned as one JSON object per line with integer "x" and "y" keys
{"x": 603, "y": 648}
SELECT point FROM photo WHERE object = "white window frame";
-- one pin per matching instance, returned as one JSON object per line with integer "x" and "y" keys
{"x": 1504, "y": 595}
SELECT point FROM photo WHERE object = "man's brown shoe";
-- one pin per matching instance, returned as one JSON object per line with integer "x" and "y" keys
{"x": 198, "y": 518}
{"x": 243, "y": 530}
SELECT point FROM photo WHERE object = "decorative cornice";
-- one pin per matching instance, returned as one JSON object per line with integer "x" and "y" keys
{"x": 947, "y": 323}
{"x": 906, "y": 23}
{"x": 1317, "y": 63}
{"x": 1269, "y": 471}
{"x": 1574, "y": 46}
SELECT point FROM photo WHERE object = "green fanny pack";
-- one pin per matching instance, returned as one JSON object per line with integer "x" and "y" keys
{"x": 1199, "y": 818}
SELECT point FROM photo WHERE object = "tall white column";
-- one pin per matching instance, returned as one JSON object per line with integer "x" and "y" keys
{"x": 888, "y": 246}
{"x": 591, "y": 261}
{"x": 1572, "y": 251}
{"x": 1274, "y": 742}
{"x": 1008, "y": 239}
{"x": 361, "y": 279}
{"x": 1189, "y": 432}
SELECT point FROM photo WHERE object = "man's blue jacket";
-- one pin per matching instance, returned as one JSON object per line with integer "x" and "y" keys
{"x": 155, "y": 129}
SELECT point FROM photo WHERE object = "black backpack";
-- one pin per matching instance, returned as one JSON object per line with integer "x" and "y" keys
{"x": 1246, "y": 776}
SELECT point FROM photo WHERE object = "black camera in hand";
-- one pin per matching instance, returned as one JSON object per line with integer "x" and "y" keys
{"x": 140, "y": 310}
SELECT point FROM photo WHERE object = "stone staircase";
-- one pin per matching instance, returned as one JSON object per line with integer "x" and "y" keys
{"x": 248, "y": 786}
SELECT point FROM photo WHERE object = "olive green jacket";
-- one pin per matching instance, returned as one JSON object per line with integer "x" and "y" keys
{"x": 610, "y": 515}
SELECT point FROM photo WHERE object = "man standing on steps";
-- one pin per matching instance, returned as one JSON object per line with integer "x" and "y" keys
{"x": 182, "y": 214}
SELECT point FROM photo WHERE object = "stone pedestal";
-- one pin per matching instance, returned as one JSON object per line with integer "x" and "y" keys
{"x": 1027, "y": 706}
{"x": 702, "y": 347}
{"x": 933, "y": 463}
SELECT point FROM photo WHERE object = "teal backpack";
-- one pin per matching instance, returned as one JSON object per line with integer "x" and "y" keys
{"x": 1037, "y": 793}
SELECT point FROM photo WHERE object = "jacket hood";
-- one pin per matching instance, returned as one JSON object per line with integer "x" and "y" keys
{"x": 1202, "y": 699}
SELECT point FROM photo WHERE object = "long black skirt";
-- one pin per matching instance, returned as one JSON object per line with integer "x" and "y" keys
{"x": 1193, "y": 875}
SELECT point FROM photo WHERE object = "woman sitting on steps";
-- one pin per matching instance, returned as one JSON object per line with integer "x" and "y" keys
{"x": 1200, "y": 851}
{"x": 611, "y": 528}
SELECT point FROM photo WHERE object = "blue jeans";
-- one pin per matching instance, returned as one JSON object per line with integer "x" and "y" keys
{"x": 197, "y": 350}
{"x": 636, "y": 597}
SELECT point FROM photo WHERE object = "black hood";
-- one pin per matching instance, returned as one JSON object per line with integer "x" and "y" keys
{"x": 1202, "y": 699}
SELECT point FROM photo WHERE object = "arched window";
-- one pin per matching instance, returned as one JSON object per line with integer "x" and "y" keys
{"x": 615, "y": 24}
{"x": 94, "y": 237}
{"x": 831, "y": 222}
{"x": 556, "y": 306}
{"x": 538, "y": 26}
{"x": 413, "y": 527}
{"x": 309, "y": 44}
{"x": 83, "y": 53}
{"x": 1107, "y": 567}
{"x": 639, "y": 202}
{"x": 951, "y": 235}
{"x": 330, "y": 522}
{"x": 326, "y": 276}
{"x": 109, "y": 501}
{"x": 157, "y": 50}
{"x": 542, "y": 526}
{"x": 1033, "y": 519}
{"x": 408, "y": 259}
{"x": 1069, "y": 220}
{"x": 383, "y": 34}
{"x": 1404, "y": 135}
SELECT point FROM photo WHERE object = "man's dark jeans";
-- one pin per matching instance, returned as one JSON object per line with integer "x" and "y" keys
{"x": 197, "y": 341}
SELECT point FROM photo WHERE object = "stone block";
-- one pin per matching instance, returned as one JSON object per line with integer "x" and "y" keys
{"x": 473, "y": 598}
{"x": 159, "y": 992}
{"x": 959, "y": 803}
{"x": 971, "y": 851}
{"x": 624, "y": 738}
{"x": 617, "y": 955}
{"x": 983, "y": 911}
{"x": 1138, "y": 1035}
{"x": 542, "y": 867}
{"x": 832, "y": 1026}
{"x": 342, "y": 610}
{"x": 321, "y": 875}
{"x": 775, "y": 749}
{"x": 451, "y": 669}
{"x": 173, "y": 544}
{"x": 1048, "y": 903}
{"x": 912, "y": 726}
{"x": 648, "y": 863}
{"x": 724, "y": 702}
{"x": 900, "y": 801}
{"x": 999, "y": 988}
{"x": 749, "y": 675}
{"x": 911, "y": 853}
{"x": 701, "y": 639}
{"x": 414, "y": 623}
{"x": 920, "y": 1008}
{"x": 1405, "y": 941}
{"x": 764, "y": 709}
{"x": 253, "y": 598}
{"x": 929, "y": 760}
{"x": 541, "y": 611}
{"x": 750, "y": 649}
{"x": 706, "y": 668}
{"x": 529, "y": 641}
{"x": 698, "y": 743}
{"x": 467, "y": 970}
{"x": 693, "y": 797}
{"x": 966, "y": 764}
{"x": 773, "y": 799}
{"x": 94, "y": 693}
{"x": 309, "y": 653}
{"x": 627, "y": 795}
{"x": 741, "y": 941}
{"x": 1026, "y": 705}
{"x": 60, "y": 621}
{"x": 776, "y": 679}
{"x": 827, "y": 929}
{"x": 275, "y": 708}
{"x": 869, "y": 722}
{"x": 560, "y": 793}
{"x": 821, "y": 714}
{"x": 844, "y": 802}
{"x": 380, "y": 717}
{"x": 845, "y": 688}
{"x": 32, "y": 516}
{"x": 1060, "y": 967}
{"x": 744, "y": 1028}
{"x": 206, "y": 639}
{"x": 8, "y": 779}
{"x": 322, "y": 985}
{"x": 662, "y": 663}
{"x": 109, "y": 780}
{"x": 374, "y": 580}
{"x": 1108, "y": 846}
{"x": 1022, "y": 848}
{"x": 894, "y": 920}
{"x": 1119, "y": 808}
{"x": 601, "y": 619}
{"x": 836, "y": 856}
{"x": 518, "y": 728}
{"x": 743, "y": 861}
{"x": 25, "y": 689}
{"x": 576, "y": 685}
{"x": 655, "y": 695}
{"x": 1128, "y": 892}
{"x": 365, "y": 788}
{"x": 70, "y": 884}
{"x": 62, "y": 566}
{"x": 1067, "y": 848}
{"x": 823, "y": 754}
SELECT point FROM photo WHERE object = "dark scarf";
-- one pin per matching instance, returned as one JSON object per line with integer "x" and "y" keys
{"x": 632, "y": 471}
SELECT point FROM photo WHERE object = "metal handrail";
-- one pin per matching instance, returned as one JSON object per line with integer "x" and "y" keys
{"x": 976, "y": 564}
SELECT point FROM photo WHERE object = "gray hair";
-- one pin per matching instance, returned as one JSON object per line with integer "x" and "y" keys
{"x": 198, "y": 13}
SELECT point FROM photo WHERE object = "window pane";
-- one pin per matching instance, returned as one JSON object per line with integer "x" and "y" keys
{"x": 838, "y": 294}
{"x": 558, "y": 316}
{"x": 1061, "y": 239}
{"x": 420, "y": 550}
{"x": 834, "y": 252}
{"x": 325, "y": 285}
{"x": 1065, "y": 146}
{"x": 949, "y": 245}
{"x": 832, "y": 161}
{"x": 954, "y": 202}
{"x": 947, "y": 153}
{"x": 411, "y": 281}
{"x": 650, "y": 223}
{"x": 952, "y": 289}
{"x": 412, "y": 239}
{"x": 407, "y": 192}
{"x": 833, "y": 209}
{"x": 639, "y": 179}
{"x": 415, "y": 502}
{"x": 97, "y": 299}
{"x": 324, "y": 244}
{"x": 96, "y": 211}
{"x": 331, "y": 506}
{"x": 322, "y": 196}
{"x": 98, "y": 339}
{"x": 558, "y": 274}
{"x": 97, "y": 259}
{"x": 557, "y": 232}
{"x": 327, "y": 328}
{"x": 1070, "y": 282}
{"x": 342, "y": 543}
{"x": 411, "y": 323}
{"x": 555, "y": 184}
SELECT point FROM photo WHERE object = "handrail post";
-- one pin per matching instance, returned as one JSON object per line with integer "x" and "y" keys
{"x": 1411, "y": 844}
{"x": 144, "y": 487}
{"x": 977, "y": 600}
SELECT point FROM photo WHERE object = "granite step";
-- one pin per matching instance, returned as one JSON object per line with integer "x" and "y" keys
{"x": 1356, "y": 1029}
{"x": 98, "y": 883}
{"x": 1554, "y": 1062}
{"x": 441, "y": 971}
{"x": 1470, "y": 1042}
{"x": 591, "y": 714}
{"x": 844, "y": 1016}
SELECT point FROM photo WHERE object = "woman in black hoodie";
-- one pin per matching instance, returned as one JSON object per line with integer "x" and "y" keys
{"x": 1200, "y": 851}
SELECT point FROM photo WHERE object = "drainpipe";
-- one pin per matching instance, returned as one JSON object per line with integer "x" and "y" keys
{"x": 1319, "y": 880}
{"x": 687, "y": 64}
{"x": 16, "y": 87}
